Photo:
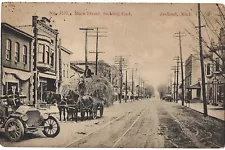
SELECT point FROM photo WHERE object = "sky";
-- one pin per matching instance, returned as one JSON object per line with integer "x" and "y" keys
{"x": 143, "y": 33}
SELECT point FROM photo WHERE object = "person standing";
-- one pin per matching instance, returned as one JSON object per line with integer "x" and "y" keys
{"x": 87, "y": 72}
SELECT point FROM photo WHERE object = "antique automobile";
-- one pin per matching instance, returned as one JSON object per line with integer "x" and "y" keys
{"x": 18, "y": 119}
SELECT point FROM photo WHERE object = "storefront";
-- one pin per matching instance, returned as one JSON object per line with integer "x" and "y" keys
{"x": 20, "y": 80}
{"x": 194, "y": 92}
{"x": 45, "y": 83}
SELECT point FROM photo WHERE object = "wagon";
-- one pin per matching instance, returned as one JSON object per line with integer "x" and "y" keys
{"x": 18, "y": 119}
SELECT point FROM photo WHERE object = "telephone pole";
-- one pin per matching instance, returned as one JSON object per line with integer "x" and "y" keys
{"x": 202, "y": 63}
{"x": 126, "y": 88}
{"x": 121, "y": 79}
{"x": 177, "y": 73}
{"x": 179, "y": 35}
{"x": 174, "y": 68}
{"x": 86, "y": 59}
{"x": 97, "y": 52}
{"x": 120, "y": 60}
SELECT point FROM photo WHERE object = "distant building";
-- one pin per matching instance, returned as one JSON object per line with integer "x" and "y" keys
{"x": 75, "y": 73}
{"x": 104, "y": 69}
{"x": 192, "y": 78}
{"x": 16, "y": 54}
{"x": 64, "y": 67}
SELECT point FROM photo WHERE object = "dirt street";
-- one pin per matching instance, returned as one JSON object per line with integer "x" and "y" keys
{"x": 151, "y": 123}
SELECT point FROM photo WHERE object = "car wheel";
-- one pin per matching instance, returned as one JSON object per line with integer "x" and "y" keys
{"x": 14, "y": 129}
{"x": 51, "y": 127}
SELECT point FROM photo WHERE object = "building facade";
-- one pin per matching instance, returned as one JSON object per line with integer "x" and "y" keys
{"x": 216, "y": 71}
{"x": 16, "y": 52}
{"x": 193, "y": 78}
{"x": 64, "y": 68}
{"x": 75, "y": 75}
{"x": 46, "y": 56}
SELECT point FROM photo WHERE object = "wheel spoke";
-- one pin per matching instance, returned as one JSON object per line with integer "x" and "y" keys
{"x": 17, "y": 134}
{"x": 50, "y": 121}
{"x": 47, "y": 123}
{"x": 53, "y": 130}
{"x": 47, "y": 130}
{"x": 11, "y": 124}
{"x": 54, "y": 123}
{"x": 50, "y": 132}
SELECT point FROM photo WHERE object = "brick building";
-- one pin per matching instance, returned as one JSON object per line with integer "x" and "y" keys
{"x": 46, "y": 54}
{"x": 16, "y": 52}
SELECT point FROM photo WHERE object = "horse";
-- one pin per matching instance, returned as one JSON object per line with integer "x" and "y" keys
{"x": 85, "y": 104}
{"x": 72, "y": 102}
{"x": 52, "y": 98}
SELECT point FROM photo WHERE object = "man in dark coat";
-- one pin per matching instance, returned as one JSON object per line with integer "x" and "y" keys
{"x": 13, "y": 99}
{"x": 87, "y": 72}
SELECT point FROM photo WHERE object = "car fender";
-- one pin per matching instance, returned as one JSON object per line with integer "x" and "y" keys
{"x": 17, "y": 116}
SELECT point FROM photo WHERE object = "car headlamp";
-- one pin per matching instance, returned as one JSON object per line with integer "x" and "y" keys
{"x": 45, "y": 116}
{"x": 25, "y": 117}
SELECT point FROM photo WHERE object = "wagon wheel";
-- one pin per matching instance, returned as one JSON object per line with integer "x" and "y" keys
{"x": 51, "y": 127}
{"x": 82, "y": 113}
{"x": 94, "y": 112}
{"x": 101, "y": 110}
{"x": 14, "y": 130}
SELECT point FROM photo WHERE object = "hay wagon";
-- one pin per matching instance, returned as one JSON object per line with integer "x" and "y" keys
{"x": 95, "y": 92}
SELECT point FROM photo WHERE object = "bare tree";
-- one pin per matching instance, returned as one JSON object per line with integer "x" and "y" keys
{"x": 162, "y": 90}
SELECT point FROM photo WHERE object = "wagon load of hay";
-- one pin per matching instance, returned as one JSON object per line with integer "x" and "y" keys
{"x": 96, "y": 86}
{"x": 100, "y": 88}
{"x": 72, "y": 85}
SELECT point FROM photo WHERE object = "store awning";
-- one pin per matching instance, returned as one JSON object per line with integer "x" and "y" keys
{"x": 43, "y": 75}
{"x": 195, "y": 86}
{"x": 13, "y": 74}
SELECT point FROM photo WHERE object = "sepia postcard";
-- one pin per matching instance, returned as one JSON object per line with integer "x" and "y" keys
{"x": 112, "y": 75}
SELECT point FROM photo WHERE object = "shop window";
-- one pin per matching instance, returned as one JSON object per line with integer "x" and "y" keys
{"x": 8, "y": 49}
{"x": 47, "y": 50}
{"x": 25, "y": 54}
{"x": 8, "y": 87}
{"x": 47, "y": 57}
{"x": 17, "y": 52}
{"x": 52, "y": 60}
